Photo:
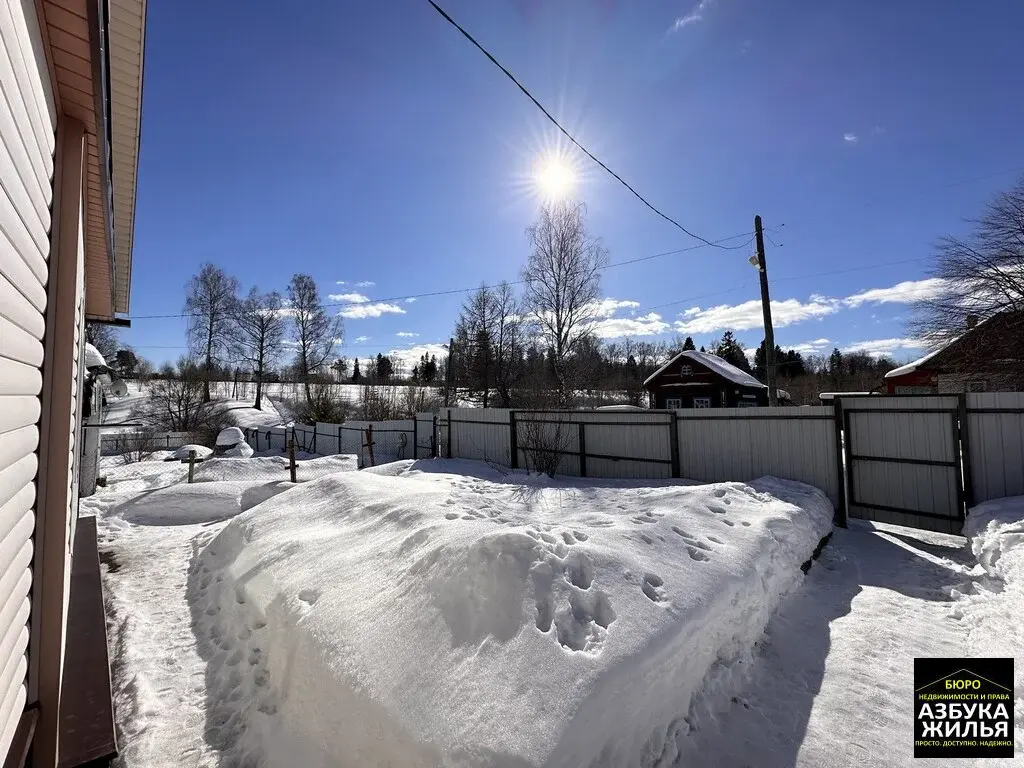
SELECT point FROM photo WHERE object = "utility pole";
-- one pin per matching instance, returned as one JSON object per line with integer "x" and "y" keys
{"x": 449, "y": 373}
{"x": 766, "y": 308}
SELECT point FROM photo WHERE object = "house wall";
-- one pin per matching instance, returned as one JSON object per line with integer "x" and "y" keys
{"x": 27, "y": 145}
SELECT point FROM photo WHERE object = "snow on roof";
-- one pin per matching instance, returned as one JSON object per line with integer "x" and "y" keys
{"x": 93, "y": 358}
{"x": 714, "y": 363}
{"x": 913, "y": 366}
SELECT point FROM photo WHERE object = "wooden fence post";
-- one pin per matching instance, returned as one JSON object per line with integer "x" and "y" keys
{"x": 449, "y": 451}
{"x": 191, "y": 466}
{"x": 291, "y": 457}
{"x": 583, "y": 449}
{"x": 673, "y": 441}
{"x": 369, "y": 442}
{"x": 415, "y": 436}
{"x": 513, "y": 440}
{"x": 837, "y": 419}
{"x": 433, "y": 438}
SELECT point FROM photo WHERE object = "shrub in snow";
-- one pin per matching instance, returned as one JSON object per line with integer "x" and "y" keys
{"x": 182, "y": 453}
{"x": 426, "y": 618}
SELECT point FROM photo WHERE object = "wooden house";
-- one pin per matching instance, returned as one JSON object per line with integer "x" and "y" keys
{"x": 694, "y": 379}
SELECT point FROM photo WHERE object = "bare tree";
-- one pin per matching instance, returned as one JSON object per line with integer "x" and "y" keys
{"x": 563, "y": 282}
{"x": 314, "y": 331}
{"x": 104, "y": 338}
{"x": 210, "y": 299}
{"x": 984, "y": 274}
{"x": 259, "y": 325}
{"x": 509, "y": 343}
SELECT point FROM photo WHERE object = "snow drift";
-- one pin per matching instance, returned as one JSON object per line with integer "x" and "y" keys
{"x": 188, "y": 504}
{"x": 272, "y": 468}
{"x": 420, "y": 618}
{"x": 993, "y": 611}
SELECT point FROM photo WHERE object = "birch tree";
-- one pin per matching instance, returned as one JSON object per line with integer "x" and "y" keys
{"x": 210, "y": 301}
{"x": 563, "y": 283}
{"x": 314, "y": 332}
{"x": 260, "y": 327}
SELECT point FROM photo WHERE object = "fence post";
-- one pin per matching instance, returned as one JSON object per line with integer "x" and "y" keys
{"x": 340, "y": 428}
{"x": 314, "y": 437}
{"x": 583, "y": 450}
{"x": 191, "y": 466}
{"x": 369, "y": 442}
{"x": 837, "y": 419}
{"x": 291, "y": 457}
{"x": 433, "y": 438}
{"x": 673, "y": 442}
{"x": 449, "y": 433}
{"x": 513, "y": 440}
{"x": 965, "y": 451}
{"x": 415, "y": 436}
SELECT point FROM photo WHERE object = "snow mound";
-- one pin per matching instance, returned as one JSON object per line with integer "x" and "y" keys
{"x": 424, "y": 618}
{"x": 230, "y": 436}
{"x": 185, "y": 504}
{"x": 239, "y": 451}
{"x": 993, "y": 608}
{"x": 272, "y": 468}
{"x": 182, "y": 453}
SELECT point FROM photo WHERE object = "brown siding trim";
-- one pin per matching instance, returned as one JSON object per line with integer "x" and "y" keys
{"x": 59, "y": 370}
{"x": 18, "y": 753}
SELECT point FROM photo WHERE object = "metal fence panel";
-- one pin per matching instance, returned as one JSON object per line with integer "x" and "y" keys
{"x": 477, "y": 433}
{"x": 995, "y": 428}
{"x": 794, "y": 443}
{"x": 425, "y": 437}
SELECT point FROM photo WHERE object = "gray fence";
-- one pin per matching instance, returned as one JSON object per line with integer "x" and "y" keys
{"x": 114, "y": 443}
{"x": 373, "y": 442}
{"x": 995, "y": 438}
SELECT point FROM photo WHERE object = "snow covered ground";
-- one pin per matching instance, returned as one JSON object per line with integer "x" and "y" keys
{"x": 444, "y": 614}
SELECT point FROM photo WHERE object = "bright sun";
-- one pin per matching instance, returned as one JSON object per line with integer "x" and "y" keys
{"x": 555, "y": 179}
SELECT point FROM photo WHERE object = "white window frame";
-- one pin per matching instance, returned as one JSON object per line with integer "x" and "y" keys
{"x": 686, "y": 370}
{"x": 678, "y": 403}
{"x": 702, "y": 402}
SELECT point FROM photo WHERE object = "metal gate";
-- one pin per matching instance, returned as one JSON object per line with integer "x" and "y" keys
{"x": 903, "y": 459}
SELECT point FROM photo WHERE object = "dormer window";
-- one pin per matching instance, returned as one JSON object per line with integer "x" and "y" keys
{"x": 686, "y": 370}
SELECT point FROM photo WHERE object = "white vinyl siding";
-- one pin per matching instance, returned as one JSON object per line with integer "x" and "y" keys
{"x": 27, "y": 139}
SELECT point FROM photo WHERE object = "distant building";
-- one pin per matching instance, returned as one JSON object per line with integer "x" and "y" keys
{"x": 694, "y": 379}
{"x": 986, "y": 358}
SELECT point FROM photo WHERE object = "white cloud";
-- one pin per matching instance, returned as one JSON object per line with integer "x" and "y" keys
{"x": 406, "y": 335}
{"x": 376, "y": 309}
{"x": 410, "y": 300}
{"x": 361, "y": 339}
{"x": 808, "y": 347}
{"x": 341, "y": 282}
{"x": 906, "y": 292}
{"x": 850, "y": 138}
{"x": 880, "y": 347}
{"x": 410, "y": 356}
{"x": 697, "y": 14}
{"x": 608, "y": 307}
{"x": 349, "y": 298}
{"x": 618, "y": 327}
{"x": 365, "y": 284}
{"x": 741, "y": 317}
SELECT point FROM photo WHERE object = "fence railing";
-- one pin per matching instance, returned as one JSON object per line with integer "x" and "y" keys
{"x": 373, "y": 442}
{"x": 114, "y": 443}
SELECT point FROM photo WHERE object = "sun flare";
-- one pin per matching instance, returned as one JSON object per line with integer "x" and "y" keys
{"x": 555, "y": 179}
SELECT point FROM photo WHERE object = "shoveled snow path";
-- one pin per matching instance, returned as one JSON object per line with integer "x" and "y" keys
{"x": 833, "y": 683}
{"x": 161, "y": 700}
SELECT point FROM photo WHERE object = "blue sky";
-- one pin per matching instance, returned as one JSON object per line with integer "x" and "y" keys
{"x": 371, "y": 143}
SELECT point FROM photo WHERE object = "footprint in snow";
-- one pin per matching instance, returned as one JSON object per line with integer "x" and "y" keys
{"x": 715, "y": 540}
{"x": 696, "y": 554}
{"x": 729, "y": 522}
{"x": 653, "y": 587}
{"x": 451, "y": 515}
{"x": 716, "y": 509}
{"x": 720, "y": 492}
{"x": 744, "y": 523}
{"x": 309, "y": 596}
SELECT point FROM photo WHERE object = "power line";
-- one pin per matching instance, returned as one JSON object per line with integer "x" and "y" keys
{"x": 451, "y": 291}
{"x": 568, "y": 135}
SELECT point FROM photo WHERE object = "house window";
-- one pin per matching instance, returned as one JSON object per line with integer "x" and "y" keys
{"x": 673, "y": 403}
{"x": 747, "y": 404}
{"x": 702, "y": 402}
{"x": 686, "y": 370}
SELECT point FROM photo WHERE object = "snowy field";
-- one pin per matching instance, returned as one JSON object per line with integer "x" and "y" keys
{"x": 441, "y": 613}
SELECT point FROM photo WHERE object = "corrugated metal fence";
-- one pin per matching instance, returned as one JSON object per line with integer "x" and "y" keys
{"x": 918, "y": 460}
